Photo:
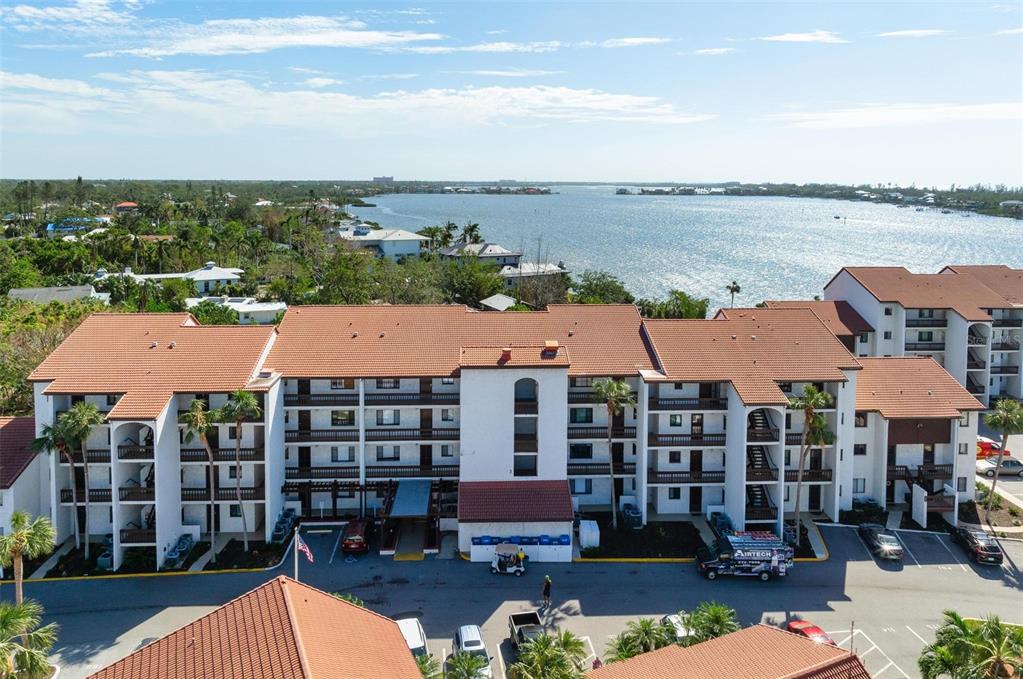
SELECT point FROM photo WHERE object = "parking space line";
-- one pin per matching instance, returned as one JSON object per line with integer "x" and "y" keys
{"x": 881, "y": 671}
{"x": 336, "y": 543}
{"x": 906, "y": 548}
{"x": 913, "y": 632}
{"x": 864, "y": 654}
{"x": 949, "y": 549}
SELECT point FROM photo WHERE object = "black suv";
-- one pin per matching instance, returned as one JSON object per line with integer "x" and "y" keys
{"x": 980, "y": 547}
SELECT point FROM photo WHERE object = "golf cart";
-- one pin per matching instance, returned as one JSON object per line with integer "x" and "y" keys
{"x": 506, "y": 561}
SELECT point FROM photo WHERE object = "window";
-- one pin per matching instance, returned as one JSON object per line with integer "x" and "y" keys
{"x": 859, "y": 485}
{"x": 388, "y": 453}
{"x": 232, "y": 472}
{"x": 287, "y": 417}
{"x": 446, "y": 450}
{"x": 860, "y": 449}
{"x": 447, "y": 415}
{"x": 111, "y": 399}
{"x": 887, "y": 334}
{"x": 679, "y": 386}
{"x": 387, "y": 383}
{"x": 961, "y": 484}
{"x": 787, "y": 489}
{"x": 674, "y": 493}
{"x": 964, "y": 448}
{"x": 235, "y": 511}
{"x": 786, "y": 387}
{"x": 675, "y": 420}
{"x": 964, "y": 421}
{"x": 864, "y": 337}
{"x": 447, "y": 380}
{"x": 346, "y": 383}
{"x": 582, "y": 486}
{"x": 887, "y": 311}
{"x": 342, "y": 418}
{"x": 788, "y": 420}
{"x": 861, "y": 418}
{"x": 580, "y": 451}
{"x": 788, "y": 457}
{"x": 926, "y": 313}
{"x": 675, "y": 456}
{"x": 582, "y": 382}
{"x": 580, "y": 415}
{"x": 232, "y": 432}
{"x": 926, "y": 335}
{"x": 342, "y": 453}
{"x": 388, "y": 417}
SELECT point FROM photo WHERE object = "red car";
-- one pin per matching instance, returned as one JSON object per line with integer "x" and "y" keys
{"x": 805, "y": 628}
{"x": 987, "y": 448}
{"x": 355, "y": 539}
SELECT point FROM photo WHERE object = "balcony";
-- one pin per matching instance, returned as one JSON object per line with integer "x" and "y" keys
{"x": 136, "y": 494}
{"x": 526, "y": 443}
{"x": 939, "y": 502}
{"x": 321, "y": 400}
{"x": 976, "y": 340}
{"x": 934, "y": 472}
{"x": 925, "y": 346}
{"x": 601, "y": 432}
{"x": 665, "y": 440}
{"x": 441, "y": 471}
{"x": 688, "y": 404}
{"x": 600, "y": 469}
{"x": 587, "y": 397}
{"x": 1008, "y": 323}
{"x": 137, "y": 537}
{"x": 446, "y": 434}
{"x": 974, "y": 363}
{"x": 222, "y": 455}
{"x": 974, "y": 388}
{"x": 100, "y": 456}
{"x": 685, "y": 477}
{"x": 95, "y": 495}
{"x": 1005, "y": 345}
{"x": 926, "y": 322}
{"x": 526, "y": 407}
{"x": 809, "y": 475}
{"x": 224, "y": 494}
{"x": 321, "y": 435}
{"x": 293, "y": 473}
{"x": 134, "y": 452}
{"x": 1005, "y": 370}
{"x": 761, "y": 513}
{"x": 762, "y": 435}
{"x": 421, "y": 399}
{"x": 900, "y": 472}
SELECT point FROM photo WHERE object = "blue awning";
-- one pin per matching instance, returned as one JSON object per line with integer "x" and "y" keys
{"x": 412, "y": 498}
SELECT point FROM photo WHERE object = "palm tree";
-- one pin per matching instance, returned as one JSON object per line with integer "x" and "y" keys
{"x": 429, "y": 667}
{"x": 710, "y": 620}
{"x": 161, "y": 249}
{"x": 241, "y": 406}
{"x": 24, "y": 646}
{"x": 648, "y": 634}
{"x": 55, "y": 437}
{"x": 987, "y": 649}
{"x": 734, "y": 289}
{"x": 621, "y": 647}
{"x": 148, "y": 289}
{"x": 28, "y": 538}
{"x": 465, "y": 665}
{"x": 815, "y": 433}
{"x": 616, "y": 395}
{"x": 545, "y": 657}
{"x": 199, "y": 422}
{"x": 80, "y": 419}
{"x": 471, "y": 233}
{"x": 1007, "y": 419}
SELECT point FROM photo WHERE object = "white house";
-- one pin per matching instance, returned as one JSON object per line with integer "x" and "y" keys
{"x": 66, "y": 293}
{"x": 394, "y": 244}
{"x": 22, "y": 478}
{"x": 250, "y": 310}
{"x": 208, "y": 279}
{"x": 489, "y": 253}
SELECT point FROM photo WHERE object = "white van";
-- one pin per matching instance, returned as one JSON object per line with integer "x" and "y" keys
{"x": 414, "y": 635}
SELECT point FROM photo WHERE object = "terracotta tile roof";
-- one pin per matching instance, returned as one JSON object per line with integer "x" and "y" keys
{"x": 754, "y": 349}
{"x": 839, "y": 316}
{"x": 426, "y": 341}
{"x": 514, "y": 501}
{"x": 132, "y": 354}
{"x": 757, "y": 652}
{"x": 16, "y": 435}
{"x": 514, "y": 357}
{"x": 1006, "y": 281}
{"x": 910, "y": 387}
{"x": 280, "y": 630}
{"x": 965, "y": 295}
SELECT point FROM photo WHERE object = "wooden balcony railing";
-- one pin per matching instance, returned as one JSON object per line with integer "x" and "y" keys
{"x": 587, "y": 397}
{"x": 600, "y": 469}
{"x": 925, "y": 346}
{"x": 95, "y": 495}
{"x": 761, "y": 474}
{"x": 656, "y": 476}
{"x": 136, "y": 494}
{"x": 601, "y": 432}
{"x": 932, "y": 472}
{"x": 135, "y": 452}
{"x": 1008, "y": 323}
{"x": 688, "y": 404}
{"x": 137, "y": 536}
{"x": 339, "y": 472}
{"x": 710, "y": 440}
{"x": 222, "y": 455}
{"x": 1005, "y": 345}
{"x": 98, "y": 456}
{"x": 438, "y": 399}
{"x": 939, "y": 502}
{"x": 974, "y": 364}
{"x": 320, "y": 435}
{"x": 900, "y": 472}
{"x": 762, "y": 435}
{"x": 446, "y": 434}
{"x": 1005, "y": 370}
{"x": 441, "y": 471}
{"x": 926, "y": 322}
{"x": 809, "y": 475}
{"x": 224, "y": 494}
{"x": 526, "y": 443}
{"x": 761, "y": 513}
{"x": 526, "y": 407}
{"x": 321, "y": 400}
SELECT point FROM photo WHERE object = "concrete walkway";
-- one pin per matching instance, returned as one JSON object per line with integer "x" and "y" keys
{"x": 813, "y": 534}
{"x": 52, "y": 561}
{"x": 894, "y": 519}
{"x": 201, "y": 562}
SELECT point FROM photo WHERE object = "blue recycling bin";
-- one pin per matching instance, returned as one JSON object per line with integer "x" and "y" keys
{"x": 545, "y": 539}
{"x": 564, "y": 539}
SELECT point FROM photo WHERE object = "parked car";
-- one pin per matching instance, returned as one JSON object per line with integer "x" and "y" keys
{"x": 469, "y": 639}
{"x": 355, "y": 538}
{"x": 523, "y": 627}
{"x": 880, "y": 542}
{"x": 805, "y": 628}
{"x": 680, "y": 625}
{"x": 414, "y": 635}
{"x": 1010, "y": 467}
{"x": 980, "y": 547}
{"x": 988, "y": 448}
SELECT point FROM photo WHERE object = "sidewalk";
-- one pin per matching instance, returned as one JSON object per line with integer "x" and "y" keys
{"x": 52, "y": 561}
{"x": 201, "y": 562}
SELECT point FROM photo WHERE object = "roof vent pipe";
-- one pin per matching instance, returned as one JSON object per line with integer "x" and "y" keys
{"x": 152, "y": 345}
{"x": 172, "y": 344}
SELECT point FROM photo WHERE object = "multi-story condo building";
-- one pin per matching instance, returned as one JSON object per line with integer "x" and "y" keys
{"x": 842, "y": 320}
{"x": 968, "y": 318}
{"x": 438, "y": 418}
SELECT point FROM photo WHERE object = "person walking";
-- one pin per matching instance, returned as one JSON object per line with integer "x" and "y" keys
{"x": 546, "y": 591}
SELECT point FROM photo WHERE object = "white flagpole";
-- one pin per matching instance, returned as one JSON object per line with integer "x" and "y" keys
{"x": 294, "y": 544}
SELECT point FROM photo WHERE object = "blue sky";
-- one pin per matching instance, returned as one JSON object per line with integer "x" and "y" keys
{"x": 922, "y": 92}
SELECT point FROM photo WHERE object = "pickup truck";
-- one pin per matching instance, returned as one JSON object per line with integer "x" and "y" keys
{"x": 523, "y": 627}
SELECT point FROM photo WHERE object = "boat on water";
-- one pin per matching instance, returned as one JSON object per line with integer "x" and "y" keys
{"x": 838, "y": 216}
{"x": 919, "y": 209}
{"x": 623, "y": 192}
{"x": 946, "y": 212}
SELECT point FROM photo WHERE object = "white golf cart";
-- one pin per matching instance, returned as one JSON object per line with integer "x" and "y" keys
{"x": 506, "y": 561}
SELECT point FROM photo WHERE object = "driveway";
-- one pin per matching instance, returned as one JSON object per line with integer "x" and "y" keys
{"x": 891, "y": 610}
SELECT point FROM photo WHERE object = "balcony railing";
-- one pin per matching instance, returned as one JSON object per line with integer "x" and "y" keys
{"x": 975, "y": 388}
{"x": 440, "y": 471}
{"x": 225, "y": 494}
{"x": 135, "y": 452}
{"x": 761, "y": 474}
{"x": 761, "y": 513}
{"x": 136, "y": 536}
{"x": 1005, "y": 370}
{"x": 688, "y": 404}
{"x": 710, "y": 440}
{"x": 526, "y": 443}
{"x": 655, "y": 476}
{"x": 601, "y": 432}
{"x": 586, "y": 397}
{"x": 99, "y": 456}
{"x": 926, "y": 322}
{"x": 976, "y": 340}
{"x": 939, "y": 502}
{"x": 975, "y": 364}
{"x": 1008, "y": 323}
{"x": 321, "y": 400}
{"x": 321, "y": 435}
{"x": 526, "y": 407}
{"x": 136, "y": 494}
{"x": 1005, "y": 345}
{"x": 932, "y": 472}
{"x": 446, "y": 434}
{"x": 600, "y": 469}
{"x": 349, "y": 472}
{"x": 900, "y": 472}
{"x": 95, "y": 495}
{"x": 762, "y": 435}
{"x": 222, "y": 455}
{"x": 809, "y": 475}
{"x": 925, "y": 346}
{"x": 438, "y": 399}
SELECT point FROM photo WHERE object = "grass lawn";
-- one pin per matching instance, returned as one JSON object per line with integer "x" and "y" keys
{"x": 666, "y": 539}
{"x": 260, "y": 555}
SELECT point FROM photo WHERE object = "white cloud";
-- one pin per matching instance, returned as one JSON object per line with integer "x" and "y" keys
{"x": 633, "y": 42}
{"x": 28, "y": 81}
{"x": 812, "y": 36}
{"x": 899, "y": 114}
{"x": 1011, "y": 31}
{"x": 714, "y": 51}
{"x": 493, "y": 47}
{"x": 914, "y": 33}
{"x": 323, "y": 82}
{"x": 78, "y": 16}
{"x": 499, "y": 31}
{"x": 389, "y": 76}
{"x": 511, "y": 73}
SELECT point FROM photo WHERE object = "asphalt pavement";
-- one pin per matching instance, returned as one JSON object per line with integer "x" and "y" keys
{"x": 886, "y": 611}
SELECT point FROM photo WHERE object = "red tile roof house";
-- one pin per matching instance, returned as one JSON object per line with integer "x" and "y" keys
{"x": 280, "y": 630}
{"x": 21, "y": 472}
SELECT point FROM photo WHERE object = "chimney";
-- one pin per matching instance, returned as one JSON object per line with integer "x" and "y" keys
{"x": 506, "y": 354}
{"x": 172, "y": 344}
{"x": 551, "y": 346}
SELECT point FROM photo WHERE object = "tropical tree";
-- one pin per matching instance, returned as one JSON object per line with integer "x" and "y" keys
{"x": 964, "y": 649}
{"x": 81, "y": 419}
{"x": 24, "y": 645}
{"x": 557, "y": 656}
{"x": 429, "y": 667}
{"x": 199, "y": 422}
{"x": 615, "y": 395}
{"x": 600, "y": 287}
{"x": 621, "y": 647}
{"x": 28, "y": 538}
{"x": 241, "y": 406}
{"x": 57, "y": 438}
{"x": 648, "y": 634}
{"x": 471, "y": 233}
{"x": 710, "y": 620}
{"x": 677, "y": 305}
{"x": 734, "y": 289}
{"x": 815, "y": 434}
{"x": 1007, "y": 419}
{"x": 465, "y": 665}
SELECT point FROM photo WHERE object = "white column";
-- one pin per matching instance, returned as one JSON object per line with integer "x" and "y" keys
{"x": 641, "y": 450}
{"x": 115, "y": 499}
{"x": 780, "y": 526}
{"x": 362, "y": 431}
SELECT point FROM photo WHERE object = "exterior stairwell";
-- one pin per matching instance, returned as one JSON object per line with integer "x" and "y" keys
{"x": 758, "y": 504}
{"x": 758, "y": 465}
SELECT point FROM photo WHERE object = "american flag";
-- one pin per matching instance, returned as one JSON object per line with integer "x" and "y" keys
{"x": 303, "y": 547}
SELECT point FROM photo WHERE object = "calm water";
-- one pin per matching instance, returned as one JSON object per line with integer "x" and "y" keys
{"x": 776, "y": 248}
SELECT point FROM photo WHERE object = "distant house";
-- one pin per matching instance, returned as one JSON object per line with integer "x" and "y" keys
{"x": 72, "y": 225}
{"x": 207, "y": 279}
{"x": 263, "y": 203}
{"x": 490, "y": 253}
{"x": 393, "y": 244}
{"x": 67, "y": 293}
{"x": 250, "y": 311}
{"x": 20, "y": 469}
{"x": 127, "y": 207}
{"x": 497, "y": 302}
{"x": 525, "y": 271}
